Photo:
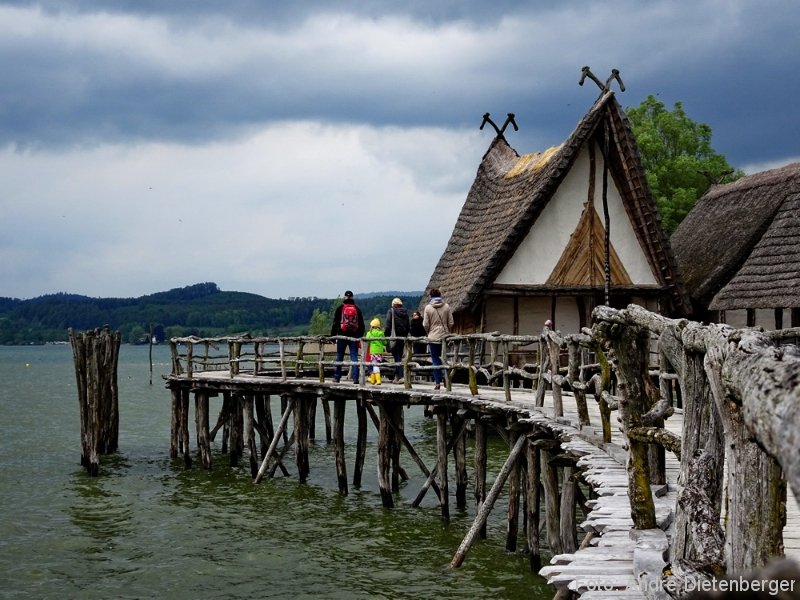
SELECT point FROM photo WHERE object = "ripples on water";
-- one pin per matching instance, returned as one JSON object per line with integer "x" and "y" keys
{"x": 147, "y": 527}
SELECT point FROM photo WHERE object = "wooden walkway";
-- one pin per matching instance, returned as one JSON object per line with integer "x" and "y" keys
{"x": 610, "y": 564}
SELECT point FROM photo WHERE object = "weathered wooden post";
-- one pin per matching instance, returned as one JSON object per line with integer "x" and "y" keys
{"x": 301, "y": 431}
{"x": 96, "y": 355}
{"x": 338, "y": 444}
{"x": 457, "y": 422}
{"x": 533, "y": 474}
{"x": 361, "y": 440}
{"x": 481, "y": 457}
{"x": 512, "y": 525}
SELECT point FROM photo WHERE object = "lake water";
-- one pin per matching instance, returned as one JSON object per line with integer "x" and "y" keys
{"x": 149, "y": 528}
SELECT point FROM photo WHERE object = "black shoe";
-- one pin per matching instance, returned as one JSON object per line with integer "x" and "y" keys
{"x": 437, "y": 387}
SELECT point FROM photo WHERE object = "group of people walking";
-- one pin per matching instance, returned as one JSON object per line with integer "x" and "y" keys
{"x": 435, "y": 322}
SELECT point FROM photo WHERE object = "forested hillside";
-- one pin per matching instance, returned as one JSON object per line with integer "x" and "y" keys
{"x": 201, "y": 309}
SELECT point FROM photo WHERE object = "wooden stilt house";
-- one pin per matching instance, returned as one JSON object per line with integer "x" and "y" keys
{"x": 530, "y": 242}
{"x": 739, "y": 251}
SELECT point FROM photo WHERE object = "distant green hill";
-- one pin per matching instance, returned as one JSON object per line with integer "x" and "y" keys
{"x": 201, "y": 309}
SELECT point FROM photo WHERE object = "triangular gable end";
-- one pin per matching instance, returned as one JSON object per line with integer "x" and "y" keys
{"x": 583, "y": 261}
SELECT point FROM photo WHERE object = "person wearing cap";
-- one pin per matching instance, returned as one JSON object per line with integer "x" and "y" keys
{"x": 437, "y": 319}
{"x": 347, "y": 321}
{"x": 376, "y": 346}
{"x": 397, "y": 326}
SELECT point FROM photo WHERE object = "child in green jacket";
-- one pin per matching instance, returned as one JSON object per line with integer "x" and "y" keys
{"x": 376, "y": 349}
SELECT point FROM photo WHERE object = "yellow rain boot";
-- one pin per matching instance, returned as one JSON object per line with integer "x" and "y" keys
{"x": 377, "y": 378}
{"x": 371, "y": 378}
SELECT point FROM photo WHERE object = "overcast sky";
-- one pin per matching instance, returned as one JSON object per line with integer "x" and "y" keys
{"x": 304, "y": 148}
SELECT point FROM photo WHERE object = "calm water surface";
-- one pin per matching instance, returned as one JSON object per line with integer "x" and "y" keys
{"x": 149, "y": 528}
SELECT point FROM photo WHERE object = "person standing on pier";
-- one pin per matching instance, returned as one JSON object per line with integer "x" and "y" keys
{"x": 417, "y": 330}
{"x": 437, "y": 319}
{"x": 347, "y": 321}
{"x": 376, "y": 346}
{"x": 397, "y": 327}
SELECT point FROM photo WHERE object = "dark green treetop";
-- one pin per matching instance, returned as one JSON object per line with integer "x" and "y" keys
{"x": 677, "y": 156}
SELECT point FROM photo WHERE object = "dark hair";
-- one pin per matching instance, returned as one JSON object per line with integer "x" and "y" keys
{"x": 434, "y": 292}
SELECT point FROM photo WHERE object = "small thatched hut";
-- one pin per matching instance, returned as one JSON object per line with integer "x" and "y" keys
{"x": 738, "y": 250}
{"x": 529, "y": 244}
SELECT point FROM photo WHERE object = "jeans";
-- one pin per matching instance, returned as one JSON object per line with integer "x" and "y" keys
{"x": 436, "y": 360}
{"x": 340, "y": 346}
{"x": 397, "y": 352}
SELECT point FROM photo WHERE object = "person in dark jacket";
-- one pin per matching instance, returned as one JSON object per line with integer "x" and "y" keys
{"x": 397, "y": 326}
{"x": 346, "y": 323}
{"x": 418, "y": 330}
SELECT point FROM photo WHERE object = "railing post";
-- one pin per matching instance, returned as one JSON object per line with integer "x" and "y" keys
{"x": 298, "y": 364}
{"x": 473, "y": 380}
{"x": 189, "y": 362}
{"x": 408, "y": 349}
{"x": 322, "y": 361}
{"x": 506, "y": 378}
{"x": 282, "y": 359}
{"x": 448, "y": 383}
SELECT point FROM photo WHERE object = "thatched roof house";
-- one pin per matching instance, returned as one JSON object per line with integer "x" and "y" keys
{"x": 529, "y": 242}
{"x": 739, "y": 250}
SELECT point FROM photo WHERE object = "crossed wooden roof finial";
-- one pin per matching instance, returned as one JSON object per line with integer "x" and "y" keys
{"x": 604, "y": 87}
{"x": 499, "y": 131}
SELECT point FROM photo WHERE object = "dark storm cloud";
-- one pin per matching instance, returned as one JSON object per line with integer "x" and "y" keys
{"x": 157, "y": 123}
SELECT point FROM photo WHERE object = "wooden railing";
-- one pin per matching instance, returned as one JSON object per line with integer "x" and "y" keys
{"x": 476, "y": 360}
{"x": 741, "y": 393}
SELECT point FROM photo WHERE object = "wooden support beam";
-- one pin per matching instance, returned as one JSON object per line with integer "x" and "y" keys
{"x": 533, "y": 505}
{"x": 486, "y": 508}
{"x": 250, "y": 433}
{"x": 514, "y": 487}
{"x": 481, "y": 455}
{"x": 201, "y": 422}
{"x": 552, "y": 503}
{"x": 567, "y": 524}
{"x": 301, "y": 434}
{"x": 361, "y": 441}
{"x": 338, "y": 443}
{"x": 441, "y": 452}
{"x": 281, "y": 429}
{"x": 457, "y": 421}
{"x": 429, "y": 481}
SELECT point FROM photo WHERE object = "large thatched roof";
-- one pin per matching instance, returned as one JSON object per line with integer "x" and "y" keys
{"x": 739, "y": 247}
{"x": 510, "y": 192}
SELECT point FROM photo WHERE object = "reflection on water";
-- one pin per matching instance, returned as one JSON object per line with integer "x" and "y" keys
{"x": 147, "y": 527}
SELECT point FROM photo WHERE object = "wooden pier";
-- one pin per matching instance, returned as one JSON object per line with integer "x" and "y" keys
{"x": 625, "y": 410}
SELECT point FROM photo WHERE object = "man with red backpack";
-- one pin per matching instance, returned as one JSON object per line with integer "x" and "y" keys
{"x": 347, "y": 321}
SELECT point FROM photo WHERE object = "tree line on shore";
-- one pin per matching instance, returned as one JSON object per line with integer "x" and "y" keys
{"x": 201, "y": 309}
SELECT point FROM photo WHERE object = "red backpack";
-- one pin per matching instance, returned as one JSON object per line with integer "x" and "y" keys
{"x": 349, "y": 324}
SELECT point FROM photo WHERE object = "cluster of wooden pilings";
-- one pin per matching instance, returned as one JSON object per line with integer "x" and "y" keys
{"x": 96, "y": 356}
{"x": 541, "y": 478}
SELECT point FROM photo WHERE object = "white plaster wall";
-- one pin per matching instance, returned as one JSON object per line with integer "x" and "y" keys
{"x": 567, "y": 317}
{"x": 765, "y": 317}
{"x": 537, "y": 255}
{"x": 736, "y": 318}
{"x": 500, "y": 314}
{"x": 533, "y": 312}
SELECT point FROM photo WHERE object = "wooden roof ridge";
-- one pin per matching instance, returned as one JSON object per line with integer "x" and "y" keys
{"x": 510, "y": 192}
{"x": 740, "y": 213}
